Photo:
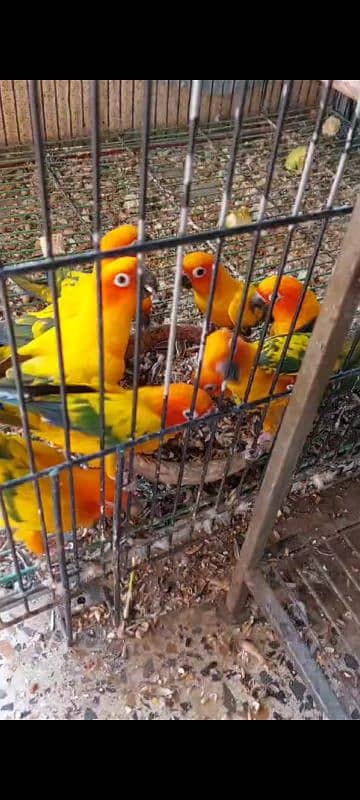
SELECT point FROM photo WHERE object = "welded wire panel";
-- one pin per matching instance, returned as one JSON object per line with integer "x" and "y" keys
{"x": 225, "y": 146}
{"x": 318, "y": 586}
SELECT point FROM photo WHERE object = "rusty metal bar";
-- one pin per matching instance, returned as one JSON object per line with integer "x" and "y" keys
{"x": 305, "y": 664}
{"x": 330, "y": 331}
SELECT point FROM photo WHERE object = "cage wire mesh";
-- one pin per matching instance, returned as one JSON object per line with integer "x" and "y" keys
{"x": 173, "y": 157}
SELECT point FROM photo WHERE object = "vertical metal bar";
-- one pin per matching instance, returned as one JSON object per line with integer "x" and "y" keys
{"x": 69, "y": 108}
{"x": 3, "y": 118}
{"x": 57, "y": 110}
{"x": 146, "y": 127}
{"x": 82, "y": 105}
{"x": 232, "y": 97}
{"x": 133, "y": 104}
{"x": 16, "y": 111}
{"x": 156, "y": 103}
{"x": 331, "y": 328}
{"x": 116, "y": 544}
{"x": 46, "y": 221}
{"x": 96, "y": 170}
{"x": 60, "y": 543}
{"x": 211, "y": 101}
{"x": 185, "y": 207}
{"x": 189, "y": 103}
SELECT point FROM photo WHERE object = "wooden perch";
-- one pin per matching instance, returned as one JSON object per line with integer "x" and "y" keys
{"x": 350, "y": 89}
{"x": 170, "y": 471}
{"x": 158, "y": 337}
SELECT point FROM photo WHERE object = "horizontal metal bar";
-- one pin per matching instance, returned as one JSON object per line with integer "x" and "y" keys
{"x": 319, "y": 687}
{"x": 172, "y": 242}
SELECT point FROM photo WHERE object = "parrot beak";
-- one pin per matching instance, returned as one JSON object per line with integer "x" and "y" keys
{"x": 186, "y": 282}
{"x": 150, "y": 283}
{"x": 233, "y": 372}
{"x": 258, "y": 303}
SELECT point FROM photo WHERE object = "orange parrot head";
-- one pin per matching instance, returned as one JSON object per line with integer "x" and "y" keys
{"x": 123, "y": 236}
{"x": 179, "y": 403}
{"x": 290, "y": 289}
{"x": 198, "y": 268}
{"x": 216, "y": 359}
{"x": 288, "y": 296}
{"x": 119, "y": 282}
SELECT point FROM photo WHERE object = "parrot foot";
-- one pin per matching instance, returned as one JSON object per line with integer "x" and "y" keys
{"x": 263, "y": 444}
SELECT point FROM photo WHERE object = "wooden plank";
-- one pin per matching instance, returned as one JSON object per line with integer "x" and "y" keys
{"x": 3, "y": 134}
{"x": 9, "y": 112}
{"x": 138, "y": 103}
{"x": 160, "y": 121}
{"x": 126, "y": 105}
{"x": 104, "y": 105}
{"x": 62, "y": 94}
{"x": 305, "y": 90}
{"x": 205, "y": 107}
{"x": 255, "y": 103}
{"x": 174, "y": 98}
{"x": 184, "y": 106}
{"x": 86, "y": 105}
{"x": 76, "y": 109}
{"x": 295, "y": 94}
{"x": 114, "y": 105}
{"x": 49, "y": 108}
{"x": 23, "y": 112}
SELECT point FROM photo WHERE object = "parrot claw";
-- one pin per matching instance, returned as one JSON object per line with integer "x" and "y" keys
{"x": 262, "y": 446}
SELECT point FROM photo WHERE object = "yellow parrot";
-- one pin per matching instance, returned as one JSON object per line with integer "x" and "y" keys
{"x": 71, "y": 285}
{"x": 216, "y": 357}
{"x": 198, "y": 269}
{"x": 39, "y": 358}
{"x": 289, "y": 293}
{"x": 296, "y": 160}
{"x": 45, "y": 416}
{"x": 21, "y": 502}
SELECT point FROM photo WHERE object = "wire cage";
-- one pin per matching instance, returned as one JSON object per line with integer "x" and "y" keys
{"x": 79, "y": 158}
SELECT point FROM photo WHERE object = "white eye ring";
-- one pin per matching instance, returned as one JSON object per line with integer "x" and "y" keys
{"x": 210, "y": 387}
{"x": 199, "y": 272}
{"x": 122, "y": 280}
{"x": 187, "y": 414}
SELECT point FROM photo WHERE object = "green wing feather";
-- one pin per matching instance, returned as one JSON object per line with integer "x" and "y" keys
{"x": 274, "y": 347}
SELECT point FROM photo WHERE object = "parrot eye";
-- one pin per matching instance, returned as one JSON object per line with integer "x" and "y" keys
{"x": 200, "y": 272}
{"x": 210, "y": 387}
{"x": 122, "y": 280}
{"x": 187, "y": 414}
